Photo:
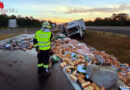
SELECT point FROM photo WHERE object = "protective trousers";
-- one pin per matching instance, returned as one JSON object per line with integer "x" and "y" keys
{"x": 43, "y": 60}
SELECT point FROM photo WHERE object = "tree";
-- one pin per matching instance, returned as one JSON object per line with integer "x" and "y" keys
{"x": 121, "y": 19}
{"x": 22, "y": 21}
{"x": 3, "y": 20}
{"x": 12, "y": 17}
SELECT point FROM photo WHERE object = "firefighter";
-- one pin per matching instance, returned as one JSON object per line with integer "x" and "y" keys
{"x": 42, "y": 43}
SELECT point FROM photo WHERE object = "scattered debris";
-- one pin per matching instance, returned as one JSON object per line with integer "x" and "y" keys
{"x": 77, "y": 58}
{"x": 24, "y": 44}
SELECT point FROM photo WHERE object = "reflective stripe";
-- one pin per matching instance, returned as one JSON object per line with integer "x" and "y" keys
{"x": 45, "y": 45}
{"x": 42, "y": 35}
{"x": 45, "y": 66}
{"x": 40, "y": 65}
{"x": 43, "y": 42}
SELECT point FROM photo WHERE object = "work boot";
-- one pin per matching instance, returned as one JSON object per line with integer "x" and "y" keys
{"x": 40, "y": 77}
{"x": 47, "y": 72}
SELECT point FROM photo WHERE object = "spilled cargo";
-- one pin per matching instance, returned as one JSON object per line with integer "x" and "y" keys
{"x": 77, "y": 60}
{"x": 24, "y": 44}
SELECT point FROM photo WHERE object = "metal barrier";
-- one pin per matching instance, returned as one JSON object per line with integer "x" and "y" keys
{"x": 112, "y": 29}
{"x": 18, "y": 30}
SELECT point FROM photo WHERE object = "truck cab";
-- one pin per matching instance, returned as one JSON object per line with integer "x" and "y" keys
{"x": 74, "y": 27}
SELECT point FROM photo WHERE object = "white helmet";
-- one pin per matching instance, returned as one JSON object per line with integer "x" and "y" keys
{"x": 46, "y": 24}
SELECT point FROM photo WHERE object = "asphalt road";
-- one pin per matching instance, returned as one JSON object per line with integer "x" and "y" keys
{"x": 18, "y": 71}
{"x": 113, "y": 29}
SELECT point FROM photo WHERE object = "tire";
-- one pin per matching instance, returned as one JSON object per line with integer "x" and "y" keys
{"x": 81, "y": 37}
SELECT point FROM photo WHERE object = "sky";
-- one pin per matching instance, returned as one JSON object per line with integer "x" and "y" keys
{"x": 61, "y": 11}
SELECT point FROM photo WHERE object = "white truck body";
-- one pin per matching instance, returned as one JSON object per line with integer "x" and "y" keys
{"x": 74, "y": 27}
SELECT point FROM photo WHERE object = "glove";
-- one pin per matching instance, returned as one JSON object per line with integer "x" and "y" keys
{"x": 37, "y": 49}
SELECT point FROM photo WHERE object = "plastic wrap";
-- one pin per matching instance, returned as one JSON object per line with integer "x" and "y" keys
{"x": 102, "y": 76}
{"x": 74, "y": 42}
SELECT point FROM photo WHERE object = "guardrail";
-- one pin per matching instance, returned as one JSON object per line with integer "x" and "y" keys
{"x": 18, "y": 30}
{"x": 113, "y": 29}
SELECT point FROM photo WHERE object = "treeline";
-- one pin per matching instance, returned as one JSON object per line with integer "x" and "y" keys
{"x": 21, "y": 21}
{"x": 121, "y": 19}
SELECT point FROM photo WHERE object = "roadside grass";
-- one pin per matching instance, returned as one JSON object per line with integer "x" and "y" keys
{"x": 8, "y": 35}
{"x": 3, "y": 28}
{"x": 114, "y": 44}
{"x": 117, "y": 45}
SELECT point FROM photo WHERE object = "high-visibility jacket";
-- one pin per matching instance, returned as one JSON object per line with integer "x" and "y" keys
{"x": 43, "y": 39}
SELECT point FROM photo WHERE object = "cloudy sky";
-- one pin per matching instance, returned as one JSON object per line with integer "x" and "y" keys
{"x": 61, "y": 11}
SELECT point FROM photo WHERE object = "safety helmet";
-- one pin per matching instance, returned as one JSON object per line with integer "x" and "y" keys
{"x": 46, "y": 24}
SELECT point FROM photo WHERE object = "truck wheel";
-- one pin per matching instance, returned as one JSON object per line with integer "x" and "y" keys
{"x": 82, "y": 37}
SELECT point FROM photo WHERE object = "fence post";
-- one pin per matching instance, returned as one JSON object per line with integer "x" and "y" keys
{"x": 128, "y": 35}
{"x": 8, "y": 30}
{"x": 26, "y": 30}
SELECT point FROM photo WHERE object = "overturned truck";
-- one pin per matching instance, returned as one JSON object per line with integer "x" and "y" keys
{"x": 75, "y": 27}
